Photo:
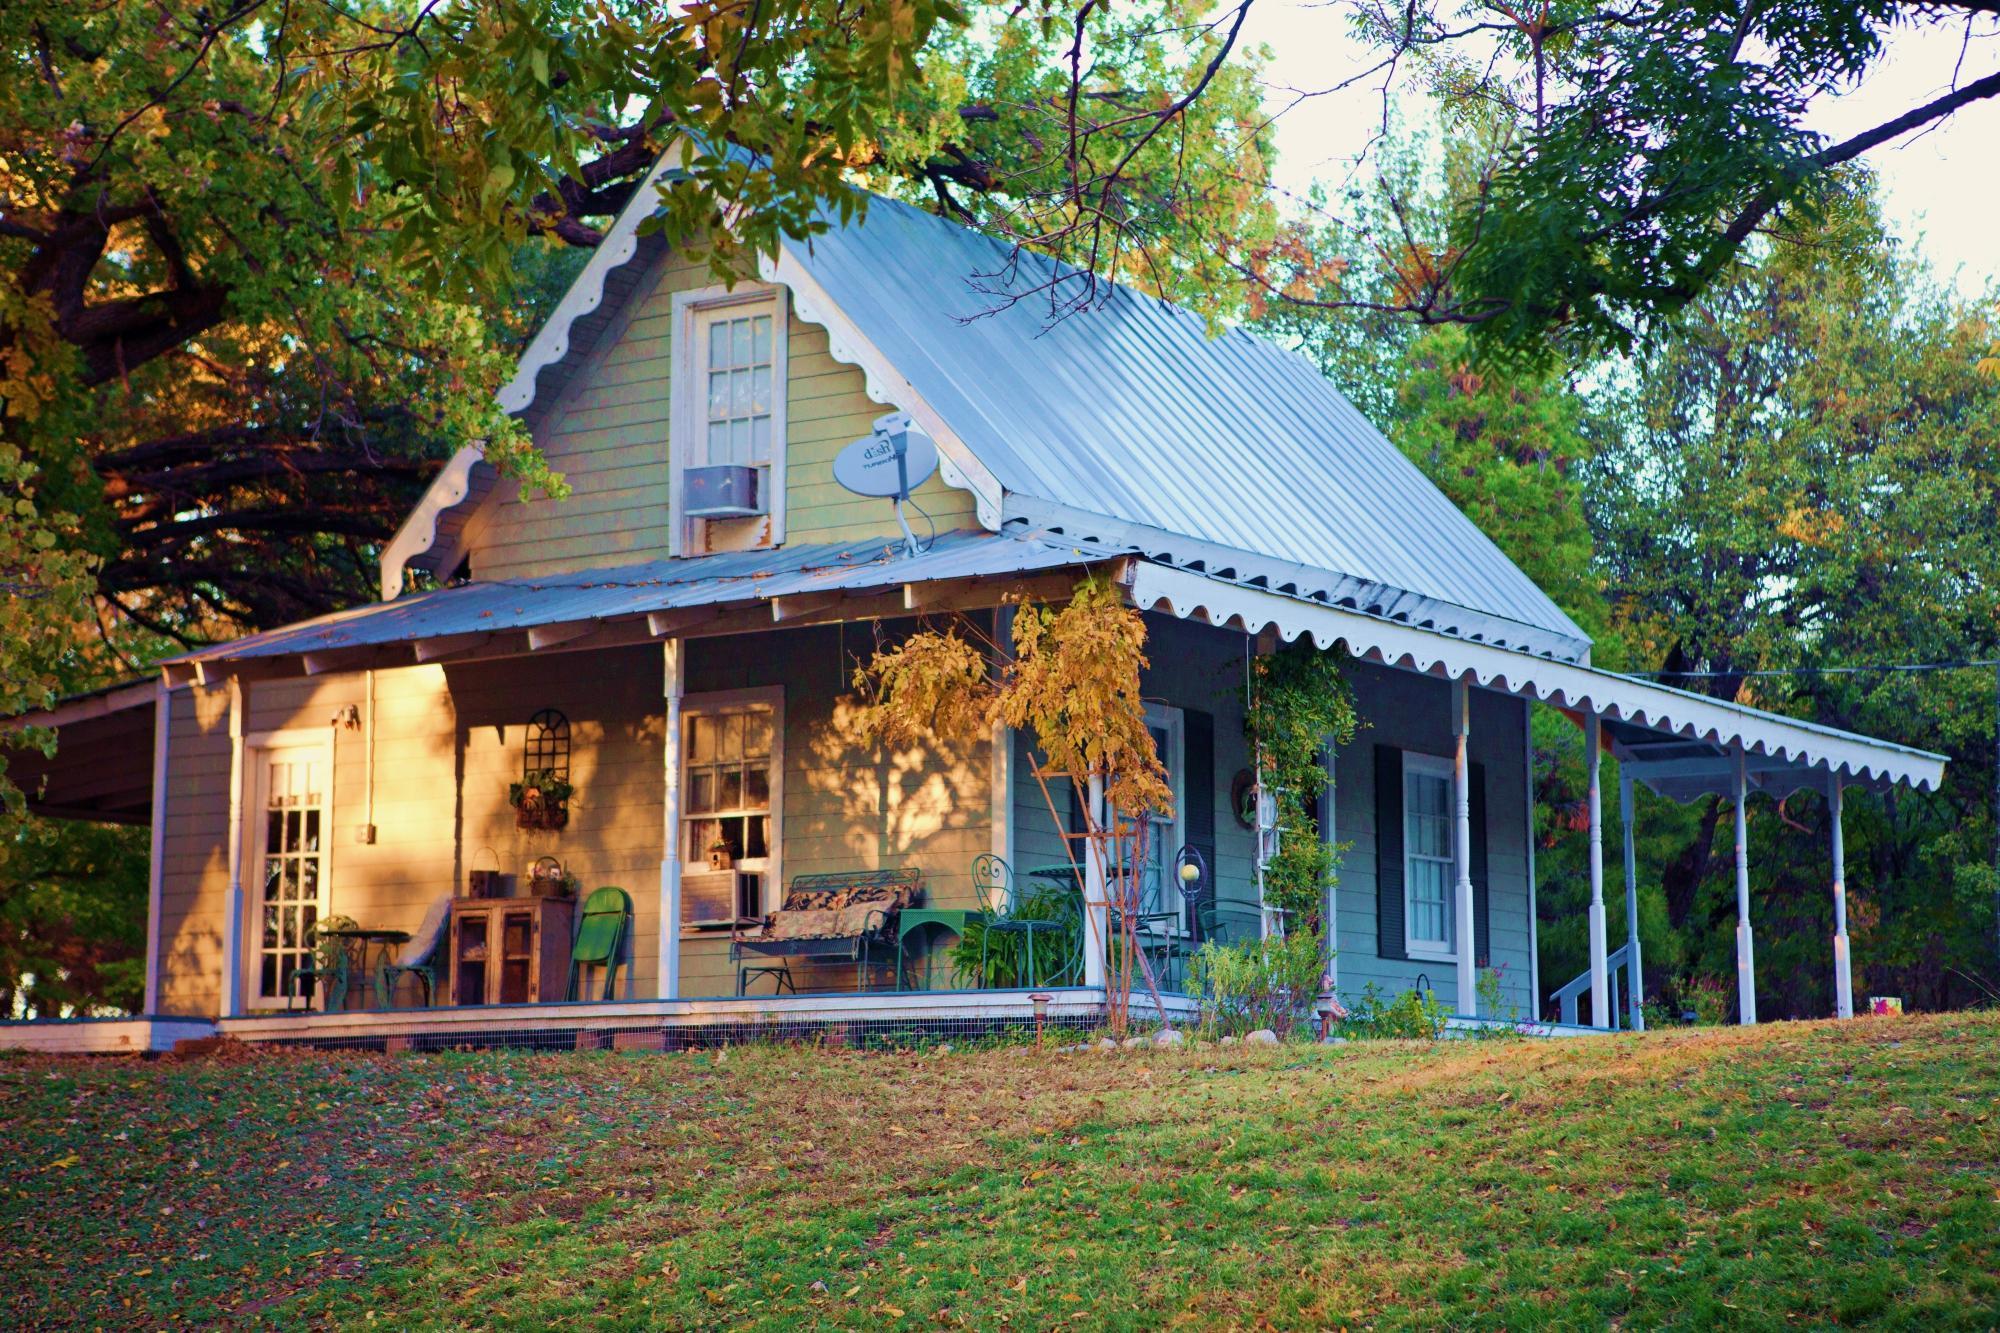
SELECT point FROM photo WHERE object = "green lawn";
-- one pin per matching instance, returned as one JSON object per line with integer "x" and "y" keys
{"x": 1795, "y": 1174}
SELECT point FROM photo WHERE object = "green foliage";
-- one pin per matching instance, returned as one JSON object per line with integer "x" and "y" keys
{"x": 539, "y": 787}
{"x": 1509, "y": 450}
{"x": 1296, "y": 704}
{"x": 1003, "y": 954}
{"x": 72, "y": 918}
{"x": 1491, "y": 986}
{"x": 1412, "y": 1015}
{"x": 1711, "y": 1000}
{"x": 1267, "y": 983}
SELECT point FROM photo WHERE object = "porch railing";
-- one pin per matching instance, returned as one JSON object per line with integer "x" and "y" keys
{"x": 1616, "y": 964}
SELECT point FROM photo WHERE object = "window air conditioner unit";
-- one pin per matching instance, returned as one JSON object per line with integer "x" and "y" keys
{"x": 730, "y": 490}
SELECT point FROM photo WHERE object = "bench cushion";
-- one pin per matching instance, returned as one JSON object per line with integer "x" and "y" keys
{"x": 833, "y": 900}
{"x": 825, "y": 923}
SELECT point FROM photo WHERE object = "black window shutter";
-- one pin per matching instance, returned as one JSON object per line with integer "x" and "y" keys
{"x": 1482, "y": 918}
{"x": 1389, "y": 932}
{"x": 1198, "y": 756}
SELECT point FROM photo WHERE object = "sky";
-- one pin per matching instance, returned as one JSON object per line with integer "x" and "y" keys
{"x": 1941, "y": 189}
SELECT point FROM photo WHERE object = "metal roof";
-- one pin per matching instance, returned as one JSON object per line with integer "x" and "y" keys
{"x": 627, "y": 591}
{"x": 1128, "y": 423}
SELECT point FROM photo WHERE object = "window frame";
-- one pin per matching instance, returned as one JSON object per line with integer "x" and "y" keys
{"x": 1432, "y": 951}
{"x": 259, "y": 749}
{"x": 687, "y": 420}
{"x": 710, "y": 704}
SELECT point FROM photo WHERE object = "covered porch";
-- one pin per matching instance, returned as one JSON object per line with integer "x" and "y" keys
{"x": 1670, "y": 742}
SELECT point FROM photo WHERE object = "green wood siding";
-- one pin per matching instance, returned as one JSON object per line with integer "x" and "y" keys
{"x": 608, "y": 436}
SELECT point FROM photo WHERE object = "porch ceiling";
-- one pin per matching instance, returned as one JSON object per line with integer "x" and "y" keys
{"x": 92, "y": 776}
{"x": 728, "y": 593}
{"x": 1678, "y": 744}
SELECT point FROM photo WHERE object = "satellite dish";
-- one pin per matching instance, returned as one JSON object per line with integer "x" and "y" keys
{"x": 890, "y": 463}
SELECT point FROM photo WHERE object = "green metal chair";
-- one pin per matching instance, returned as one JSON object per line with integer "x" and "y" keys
{"x": 600, "y": 935}
{"x": 993, "y": 879}
{"x": 330, "y": 981}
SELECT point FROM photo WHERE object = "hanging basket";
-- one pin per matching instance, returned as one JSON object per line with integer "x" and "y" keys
{"x": 535, "y": 813}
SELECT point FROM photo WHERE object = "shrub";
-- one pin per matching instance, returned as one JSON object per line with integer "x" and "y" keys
{"x": 1005, "y": 962}
{"x": 1268, "y": 983}
{"x": 1414, "y": 1015}
{"x": 1710, "y": 998}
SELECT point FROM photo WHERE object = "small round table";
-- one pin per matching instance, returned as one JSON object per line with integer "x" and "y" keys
{"x": 356, "y": 940}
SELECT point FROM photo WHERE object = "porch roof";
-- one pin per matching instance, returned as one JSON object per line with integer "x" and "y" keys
{"x": 1678, "y": 744}
{"x": 641, "y": 602}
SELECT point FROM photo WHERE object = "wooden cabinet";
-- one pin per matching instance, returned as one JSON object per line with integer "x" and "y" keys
{"x": 510, "y": 950}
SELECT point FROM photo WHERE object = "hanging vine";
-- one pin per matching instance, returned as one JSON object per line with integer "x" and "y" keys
{"x": 1296, "y": 701}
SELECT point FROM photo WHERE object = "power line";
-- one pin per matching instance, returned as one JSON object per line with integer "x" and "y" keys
{"x": 1963, "y": 665}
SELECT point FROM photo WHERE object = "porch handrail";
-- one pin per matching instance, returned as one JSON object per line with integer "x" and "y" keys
{"x": 1614, "y": 963}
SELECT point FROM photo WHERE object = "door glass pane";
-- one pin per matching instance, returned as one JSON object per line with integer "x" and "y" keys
{"x": 292, "y": 834}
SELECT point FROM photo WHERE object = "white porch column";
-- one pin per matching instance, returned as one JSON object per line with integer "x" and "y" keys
{"x": 1528, "y": 840}
{"x": 674, "y": 686}
{"x": 1843, "y": 974}
{"x": 156, "y": 852}
{"x": 1096, "y": 920}
{"x": 1746, "y": 963}
{"x": 1634, "y": 976}
{"x": 1461, "y": 845}
{"x": 234, "y": 924}
{"x": 1600, "y": 970}
{"x": 1329, "y": 819}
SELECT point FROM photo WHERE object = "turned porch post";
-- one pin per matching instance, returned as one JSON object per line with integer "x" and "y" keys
{"x": 236, "y": 921}
{"x": 1096, "y": 923}
{"x": 1461, "y": 845}
{"x": 1600, "y": 971}
{"x": 674, "y": 686}
{"x": 1746, "y": 965}
{"x": 1843, "y": 975}
{"x": 1635, "y": 985}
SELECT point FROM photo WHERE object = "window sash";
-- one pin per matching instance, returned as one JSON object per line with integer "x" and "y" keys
{"x": 727, "y": 757}
{"x": 736, "y": 383}
{"x": 1430, "y": 863}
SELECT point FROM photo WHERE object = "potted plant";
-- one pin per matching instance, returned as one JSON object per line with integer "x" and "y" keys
{"x": 540, "y": 799}
{"x": 718, "y": 855}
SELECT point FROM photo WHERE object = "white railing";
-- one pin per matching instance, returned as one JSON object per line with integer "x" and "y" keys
{"x": 1614, "y": 965}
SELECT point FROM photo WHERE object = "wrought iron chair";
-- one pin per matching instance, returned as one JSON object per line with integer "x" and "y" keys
{"x": 993, "y": 880}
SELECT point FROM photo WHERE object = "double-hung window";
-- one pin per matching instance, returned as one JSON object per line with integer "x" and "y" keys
{"x": 728, "y": 411}
{"x": 730, "y": 764}
{"x": 1430, "y": 867}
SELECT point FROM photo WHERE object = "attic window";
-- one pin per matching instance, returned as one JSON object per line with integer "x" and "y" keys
{"x": 728, "y": 419}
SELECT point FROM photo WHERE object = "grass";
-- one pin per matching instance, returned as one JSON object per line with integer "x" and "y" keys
{"x": 1791, "y": 1174}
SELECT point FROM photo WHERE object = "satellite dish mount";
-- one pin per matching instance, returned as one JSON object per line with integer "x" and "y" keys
{"x": 889, "y": 463}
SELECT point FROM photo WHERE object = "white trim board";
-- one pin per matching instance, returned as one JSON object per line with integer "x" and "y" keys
{"x": 1802, "y": 748}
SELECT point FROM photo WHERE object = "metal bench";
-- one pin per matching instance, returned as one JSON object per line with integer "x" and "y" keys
{"x": 837, "y": 917}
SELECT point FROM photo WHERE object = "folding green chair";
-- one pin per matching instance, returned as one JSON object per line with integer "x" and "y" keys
{"x": 600, "y": 934}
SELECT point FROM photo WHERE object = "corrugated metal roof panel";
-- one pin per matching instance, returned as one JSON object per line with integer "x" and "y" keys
{"x": 1131, "y": 413}
{"x": 659, "y": 585}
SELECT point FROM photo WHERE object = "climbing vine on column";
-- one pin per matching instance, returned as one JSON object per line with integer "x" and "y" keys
{"x": 1297, "y": 701}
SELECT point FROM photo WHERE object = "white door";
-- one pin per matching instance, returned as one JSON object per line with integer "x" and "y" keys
{"x": 286, "y": 886}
